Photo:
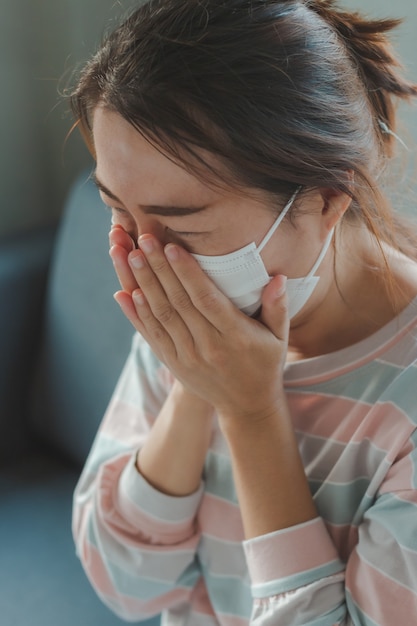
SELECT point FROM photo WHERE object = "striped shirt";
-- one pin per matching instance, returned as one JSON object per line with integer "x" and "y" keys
{"x": 355, "y": 416}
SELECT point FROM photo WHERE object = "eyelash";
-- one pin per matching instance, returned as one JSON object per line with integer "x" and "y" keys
{"x": 117, "y": 209}
{"x": 177, "y": 233}
{"x": 180, "y": 233}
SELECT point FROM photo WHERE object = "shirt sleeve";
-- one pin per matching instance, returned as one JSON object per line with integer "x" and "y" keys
{"x": 296, "y": 572}
{"x": 137, "y": 545}
{"x": 298, "y": 579}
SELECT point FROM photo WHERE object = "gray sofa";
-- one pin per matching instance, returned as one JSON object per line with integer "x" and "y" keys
{"x": 62, "y": 346}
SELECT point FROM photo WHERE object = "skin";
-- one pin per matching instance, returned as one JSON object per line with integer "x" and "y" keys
{"x": 223, "y": 361}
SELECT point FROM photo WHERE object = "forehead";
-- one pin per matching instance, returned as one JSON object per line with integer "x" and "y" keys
{"x": 125, "y": 158}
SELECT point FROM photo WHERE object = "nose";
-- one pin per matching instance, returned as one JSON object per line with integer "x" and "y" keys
{"x": 149, "y": 226}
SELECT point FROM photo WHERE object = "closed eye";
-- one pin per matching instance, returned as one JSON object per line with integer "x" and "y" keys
{"x": 118, "y": 210}
{"x": 185, "y": 233}
{"x": 189, "y": 240}
{"x": 110, "y": 209}
{"x": 178, "y": 233}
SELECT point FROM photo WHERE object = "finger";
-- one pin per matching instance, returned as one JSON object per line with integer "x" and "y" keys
{"x": 119, "y": 256}
{"x": 167, "y": 296}
{"x": 162, "y": 291}
{"x": 139, "y": 314}
{"x": 119, "y": 237}
{"x": 137, "y": 310}
{"x": 212, "y": 304}
{"x": 125, "y": 301}
{"x": 274, "y": 313}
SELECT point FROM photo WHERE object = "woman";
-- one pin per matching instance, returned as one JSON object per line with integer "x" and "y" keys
{"x": 257, "y": 463}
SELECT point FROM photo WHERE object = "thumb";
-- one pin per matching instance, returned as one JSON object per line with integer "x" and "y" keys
{"x": 274, "y": 312}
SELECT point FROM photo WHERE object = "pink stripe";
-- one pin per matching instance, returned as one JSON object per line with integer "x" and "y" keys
{"x": 323, "y": 415}
{"x": 384, "y": 600}
{"x": 359, "y": 421}
{"x": 155, "y": 531}
{"x": 408, "y": 496}
{"x": 397, "y": 427}
{"x": 126, "y": 423}
{"x": 289, "y": 551}
{"x": 126, "y": 519}
{"x": 96, "y": 571}
{"x": 376, "y": 346}
{"x": 221, "y": 519}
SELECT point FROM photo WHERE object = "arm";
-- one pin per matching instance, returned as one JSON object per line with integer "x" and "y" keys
{"x": 229, "y": 361}
{"x": 174, "y": 452}
{"x": 173, "y": 455}
{"x": 236, "y": 365}
{"x": 270, "y": 480}
{"x": 134, "y": 513}
{"x": 297, "y": 572}
{"x": 136, "y": 544}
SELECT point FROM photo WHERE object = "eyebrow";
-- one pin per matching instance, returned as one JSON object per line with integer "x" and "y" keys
{"x": 166, "y": 211}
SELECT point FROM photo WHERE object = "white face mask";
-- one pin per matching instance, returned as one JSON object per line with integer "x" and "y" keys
{"x": 242, "y": 276}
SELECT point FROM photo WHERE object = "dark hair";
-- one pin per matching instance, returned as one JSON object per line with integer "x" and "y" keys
{"x": 284, "y": 93}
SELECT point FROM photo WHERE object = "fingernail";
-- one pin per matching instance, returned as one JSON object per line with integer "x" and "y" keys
{"x": 146, "y": 244}
{"x": 138, "y": 297}
{"x": 137, "y": 261}
{"x": 171, "y": 252}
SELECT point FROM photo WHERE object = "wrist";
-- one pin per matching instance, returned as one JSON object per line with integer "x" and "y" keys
{"x": 190, "y": 403}
{"x": 173, "y": 455}
{"x": 254, "y": 419}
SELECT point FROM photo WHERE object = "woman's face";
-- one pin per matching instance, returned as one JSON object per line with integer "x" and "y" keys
{"x": 149, "y": 193}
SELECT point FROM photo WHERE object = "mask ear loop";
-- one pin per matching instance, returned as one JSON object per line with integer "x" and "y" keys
{"x": 279, "y": 219}
{"x": 322, "y": 254}
{"x": 278, "y": 222}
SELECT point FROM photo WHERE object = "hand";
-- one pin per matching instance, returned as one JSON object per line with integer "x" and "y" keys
{"x": 231, "y": 361}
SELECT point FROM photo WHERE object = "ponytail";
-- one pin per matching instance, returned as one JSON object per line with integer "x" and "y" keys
{"x": 368, "y": 46}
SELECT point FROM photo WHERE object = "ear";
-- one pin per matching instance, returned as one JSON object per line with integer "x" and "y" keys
{"x": 335, "y": 203}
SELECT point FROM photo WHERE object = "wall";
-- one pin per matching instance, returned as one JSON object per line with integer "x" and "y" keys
{"x": 41, "y": 41}
{"x": 405, "y": 42}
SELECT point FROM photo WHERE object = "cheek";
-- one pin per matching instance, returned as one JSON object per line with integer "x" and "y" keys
{"x": 279, "y": 256}
{"x": 292, "y": 256}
